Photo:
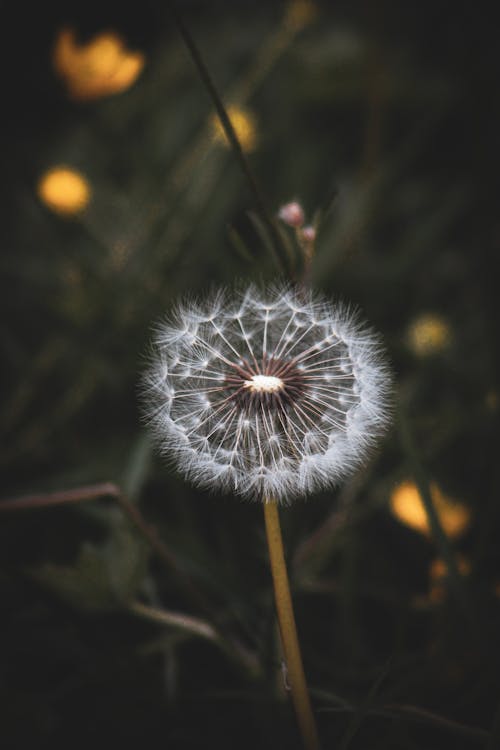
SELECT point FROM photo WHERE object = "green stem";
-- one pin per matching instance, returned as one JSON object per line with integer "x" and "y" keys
{"x": 288, "y": 628}
{"x": 235, "y": 651}
{"x": 437, "y": 531}
{"x": 279, "y": 247}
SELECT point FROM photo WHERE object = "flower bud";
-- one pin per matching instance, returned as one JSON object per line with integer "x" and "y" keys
{"x": 309, "y": 234}
{"x": 292, "y": 214}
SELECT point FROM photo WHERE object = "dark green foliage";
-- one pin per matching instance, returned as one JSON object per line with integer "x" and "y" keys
{"x": 383, "y": 118}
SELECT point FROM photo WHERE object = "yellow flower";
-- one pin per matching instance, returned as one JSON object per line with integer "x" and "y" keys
{"x": 438, "y": 573}
{"x": 438, "y": 569}
{"x": 64, "y": 190}
{"x": 98, "y": 68}
{"x": 244, "y": 124}
{"x": 491, "y": 400}
{"x": 407, "y": 506}
{"x": 428, "y": 334}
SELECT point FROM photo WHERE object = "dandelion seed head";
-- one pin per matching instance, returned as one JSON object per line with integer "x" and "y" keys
{"x": 264, "y": 384}
{"x": 275, "y": 392}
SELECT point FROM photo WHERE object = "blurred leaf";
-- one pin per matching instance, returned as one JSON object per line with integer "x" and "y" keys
{"x": 137, "y": 467}
{"x": 239, "y": 245}
{"x": 262, "y": 231}
{"x": 105, "y": 576}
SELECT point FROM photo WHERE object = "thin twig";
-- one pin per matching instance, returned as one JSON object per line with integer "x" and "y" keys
{"x": 62, "y": 497}
{"x": 261, "y": 203}
{"x": 437, "y": 531}
{"x": 410, "y": 713}
{"x": 230, "y": 645}
{"x": 414, "y": 713}
{"x": 110, "y": 489}
{"x": 203, "y": 629}
{"x": 184, "y": 622}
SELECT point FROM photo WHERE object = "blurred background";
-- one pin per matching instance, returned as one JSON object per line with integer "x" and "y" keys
{"x": 135, "y": 607}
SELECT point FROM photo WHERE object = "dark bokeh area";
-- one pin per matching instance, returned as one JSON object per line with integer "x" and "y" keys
{"x": 143, "y": 609}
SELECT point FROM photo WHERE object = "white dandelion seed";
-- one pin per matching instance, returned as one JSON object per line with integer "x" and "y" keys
{"x": 274, "y": 393}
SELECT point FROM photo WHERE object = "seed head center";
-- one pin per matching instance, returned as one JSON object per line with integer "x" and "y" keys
{"x": 264, "y": 384}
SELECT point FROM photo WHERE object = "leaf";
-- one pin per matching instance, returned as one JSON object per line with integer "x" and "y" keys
{"x": 262, "y": 232}
{"x": 238, "y": 244}
{"x": 104, "y": 576}
{"x": 137, "y": 467}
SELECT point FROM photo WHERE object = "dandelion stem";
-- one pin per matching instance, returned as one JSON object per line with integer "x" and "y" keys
{"x": 288, "y": 628}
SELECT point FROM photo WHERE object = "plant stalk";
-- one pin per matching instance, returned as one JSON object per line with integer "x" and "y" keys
{"x": 227, "y": 126}
{"x": 436, "y": 527}
{"x": 288, "y": 628}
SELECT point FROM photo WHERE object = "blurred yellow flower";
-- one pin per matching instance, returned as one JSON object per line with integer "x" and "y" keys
{"x": 300, "y": 13}
{"x": 491, "y": 400}
{"x": 428, "y": 334}
{"x": 438, "y": 572}
{"x": 244, "y": 124}
{"x": 64, "y": 190}
{"x": 438, "y": 569}
{"x": 407, "y": 506}
{"x": 97, "y": 68}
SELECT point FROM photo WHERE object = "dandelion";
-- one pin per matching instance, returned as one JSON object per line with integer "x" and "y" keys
{"x": 267, "y": 394}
